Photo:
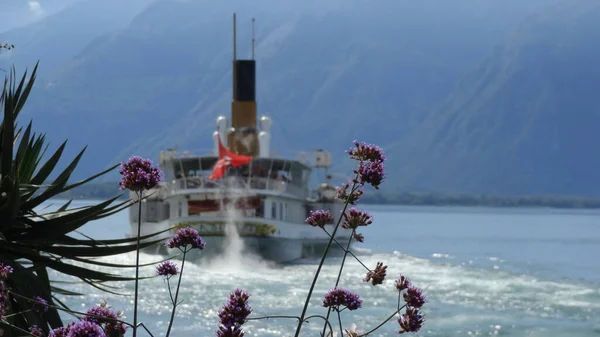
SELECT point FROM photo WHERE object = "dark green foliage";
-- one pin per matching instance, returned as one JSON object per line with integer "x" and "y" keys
{"x": 32, "y": 242}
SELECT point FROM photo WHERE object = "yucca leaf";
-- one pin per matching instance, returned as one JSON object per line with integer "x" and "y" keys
{"x": 53, "y": 263}
{"x": 26, "y": 285}
{"x": 57, "y": 186}
{"x": 23, "y": 146}
{"x": 113, "y": 265}
{"x": 48, "y": 167}
{"x": 43, "y": 148}
{"x": 57, "y": 290}
{"x": 8, "y": 124}
{"x": 81, "y": 211}
{"x": 65, "y": 206}
{"x": 85, "y": 181}
{"x": 66, "y": 223}
{"x": 22, "y": 96}
{"x": 70, "y": 252}
{"x": 16, "y": 136}
{"x": 64, "y": 306}
{"x": 67, "y": 240}
{"x": 52, "y": 315}
{"x": 31, "y": 160}
{"x": 95, "y": 285}
{"x": 10, "y": 209}
{"x": 84, "y": 273}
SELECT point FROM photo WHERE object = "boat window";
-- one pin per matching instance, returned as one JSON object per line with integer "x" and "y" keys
{"x": 273, "y": 210}
{"x": 280, "y": 211}
{"x": 260, "y": 211}
{"x": 177, "y": 169}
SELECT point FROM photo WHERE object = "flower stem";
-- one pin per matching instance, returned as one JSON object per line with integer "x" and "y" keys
{"x": 337, "y": 281}
{"x": 137, "y": 264}
{"x": 327, "y": 323}
{"x": 16, "y": 328}
{"x": 340, "y": 321}
{"x": 347, "y": 250}
{"x": 170, "y": 292}
{"x": 17, "y": 313}
{"x": 72, "y": 312}
{"x": 176, "y": 293}
{"x": 382, "y": 323}
{"x": 314, "y": 281}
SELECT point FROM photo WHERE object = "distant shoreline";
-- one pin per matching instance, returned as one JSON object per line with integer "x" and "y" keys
{"x": 104, "y": 191}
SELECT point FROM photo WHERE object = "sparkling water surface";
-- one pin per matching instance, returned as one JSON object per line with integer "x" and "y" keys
{"x": 505, "y": 272}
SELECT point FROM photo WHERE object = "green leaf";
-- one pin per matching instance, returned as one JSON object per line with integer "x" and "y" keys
{"x": 49, "y": 166}
{"x": 72, "y": 252}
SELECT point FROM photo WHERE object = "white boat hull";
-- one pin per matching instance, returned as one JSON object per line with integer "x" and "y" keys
{"x": 287, "y": 241}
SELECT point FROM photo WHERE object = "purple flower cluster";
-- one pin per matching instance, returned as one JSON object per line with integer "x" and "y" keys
{"x": 82, "y": 329}
{"x": 358, "y": 237}
{"x": 371, "y": 173}
{"x": 139, "y": 174}
{"x": 4, "y": 272}
{"x": 40, "y": 304}
{"x": 345, "y": 194}
{"x": 370, "y": 168}
{"x": 233, "y": 314}
{"x": 167, "y": 269}
{"x": 356, "y": 218}
{"x": 319, "y": 218}
{"x": 185, "y": 237}
{"x": 61, "y": 332}
{"x": 107, "y": 319}
{"x": 414, "y": 297}
{"x": 378, "y": 275}
{"x": 36, "y": 331}
{"x": 366, "y": 152}
{"x": 339, "y": 297}
{"x": 412, "y": 320}
{"x": 402, "y": 283}
{"x": 100, "y": 315}
{"x": 228, "y": 331}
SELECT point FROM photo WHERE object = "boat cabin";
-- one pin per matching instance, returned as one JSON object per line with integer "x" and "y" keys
{"x": 272, "y": 174}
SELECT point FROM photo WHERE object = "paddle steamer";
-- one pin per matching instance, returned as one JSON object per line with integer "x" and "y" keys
{"x": 242, "y": 183}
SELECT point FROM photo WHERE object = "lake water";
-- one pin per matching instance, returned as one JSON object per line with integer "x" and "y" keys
{"x": 505, "y": 272}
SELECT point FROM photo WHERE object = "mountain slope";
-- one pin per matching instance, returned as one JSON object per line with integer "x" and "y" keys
{"x": 328, "y": 72}
{"x": 525, "y": 121}
{"x": 57, "y": 37}
{"x": 19, "y": 13}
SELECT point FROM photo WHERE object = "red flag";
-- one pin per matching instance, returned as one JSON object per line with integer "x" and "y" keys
{"x": 227, "y": 159}
{"x": 219, "y": 169}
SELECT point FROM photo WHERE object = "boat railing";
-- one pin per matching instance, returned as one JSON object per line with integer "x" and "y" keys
{"x": 259, "y": 183}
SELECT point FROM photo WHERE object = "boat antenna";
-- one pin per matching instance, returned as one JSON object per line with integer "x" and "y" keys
{"x": 253, "y": 38}
{"x": 234, "y": 38}
{"x": 234, "y": 57}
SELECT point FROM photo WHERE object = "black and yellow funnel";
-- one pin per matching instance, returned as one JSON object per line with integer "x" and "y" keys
{"x": 242, "y": 137}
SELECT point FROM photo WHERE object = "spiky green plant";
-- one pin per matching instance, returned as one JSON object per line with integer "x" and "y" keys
{"x": 32, "y": 242}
